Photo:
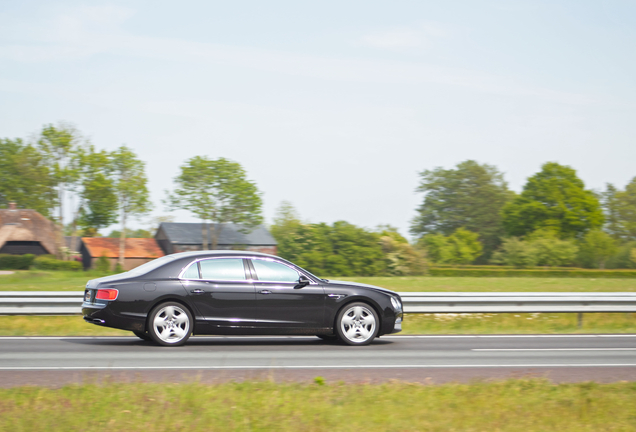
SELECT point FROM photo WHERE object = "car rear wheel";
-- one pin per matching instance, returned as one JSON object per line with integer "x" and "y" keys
{"x": 357, "y": 324}
{"x": 143, "y": 335}
{"x": 170, "y": 324}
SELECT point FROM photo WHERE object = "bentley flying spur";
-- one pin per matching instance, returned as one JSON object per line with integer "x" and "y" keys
{"x": 238, "y": 293}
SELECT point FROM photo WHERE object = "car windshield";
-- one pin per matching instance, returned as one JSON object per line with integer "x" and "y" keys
{"x": 151, "y": 265}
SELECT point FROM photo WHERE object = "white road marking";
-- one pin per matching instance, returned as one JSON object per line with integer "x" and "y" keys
{"x": 267, "y": 367}
{"x": 553, "y": 349}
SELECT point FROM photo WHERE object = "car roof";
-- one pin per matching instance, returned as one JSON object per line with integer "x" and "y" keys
{"x": 212, "y": 253}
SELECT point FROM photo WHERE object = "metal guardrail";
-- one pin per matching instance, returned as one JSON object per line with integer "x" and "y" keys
{"x": 69, "y": 302}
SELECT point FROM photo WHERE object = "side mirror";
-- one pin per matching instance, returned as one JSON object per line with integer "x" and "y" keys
{"x": 303, "y": 281}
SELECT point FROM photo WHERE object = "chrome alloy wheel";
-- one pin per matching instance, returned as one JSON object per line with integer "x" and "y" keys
{"x": 171, "y": 324}
{"x": 358, "y": 324}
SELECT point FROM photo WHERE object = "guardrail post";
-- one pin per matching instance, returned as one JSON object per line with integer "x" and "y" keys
{"x": 580, "y": 320}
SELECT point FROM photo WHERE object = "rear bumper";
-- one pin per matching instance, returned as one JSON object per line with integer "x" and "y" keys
{"x": 101, "y": 314}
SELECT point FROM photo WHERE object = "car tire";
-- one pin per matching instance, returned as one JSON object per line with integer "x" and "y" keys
{"x": 170, "y": 324}
{"x": 142, "y": 335}
{"x": 328, "y": 338}
{"x": 357, "y": 324}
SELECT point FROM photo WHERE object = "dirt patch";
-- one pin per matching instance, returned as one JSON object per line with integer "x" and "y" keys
{"x": 6, "y": 272}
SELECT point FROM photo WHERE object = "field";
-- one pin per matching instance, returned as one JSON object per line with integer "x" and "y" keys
{"x": 34, "y": 280}
{"x": 513, "y": 405}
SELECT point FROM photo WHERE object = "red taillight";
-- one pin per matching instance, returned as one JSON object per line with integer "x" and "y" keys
{"x": 107, "y": 294}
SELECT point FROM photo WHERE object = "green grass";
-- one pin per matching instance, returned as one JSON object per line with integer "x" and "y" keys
{"x": 41, "y": 280}
{"x": 479, "y": 284}
{"x": 413, "y": 324}
{"x": 34, "y": 280}
{"x": 513, "y": 405}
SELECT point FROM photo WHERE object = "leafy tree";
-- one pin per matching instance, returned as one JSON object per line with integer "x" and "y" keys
{"x": 97, "y": 206}
{"x": 596, "y": 248}
{"x": 132, "y": 193}
{"x": 554, "y": 198}
{"x": 401, "y": 258}
{"x": 620, "y": 211}
{"x": 541, "y": 248}
{"x": 340, "y": 249}
{"x": 216, "y": 191}
{"x": 515, "y": 252}
{"x": 470, "y": 196}
{"x": 550, "y": 250}
{"x": 62, "y": 146}
{"x": 25, "y": 177}
{"x": 461, "y": 247}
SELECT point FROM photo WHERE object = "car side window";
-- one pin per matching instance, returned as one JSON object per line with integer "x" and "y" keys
{"x": 192, "y": 272}
{"x": 269, "y": 271}
{"x": 224, "y": 269}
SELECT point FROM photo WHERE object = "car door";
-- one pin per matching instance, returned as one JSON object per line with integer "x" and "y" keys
{"x": 222, "y": 291}
{"x": 282, "y": 303}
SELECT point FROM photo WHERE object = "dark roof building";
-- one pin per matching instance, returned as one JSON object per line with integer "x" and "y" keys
{"x": 24, "y": 231}
{"x": 174, "y": 237}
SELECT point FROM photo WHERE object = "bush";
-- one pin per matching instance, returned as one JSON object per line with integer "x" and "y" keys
{"x": 49, "y": 262}
{"x": 16, "y": 262}
{"x": 580, "y": 273}
{"x": 103, "y": 264}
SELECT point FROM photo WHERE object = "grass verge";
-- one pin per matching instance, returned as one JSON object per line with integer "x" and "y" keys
{"x": 413, "y": 324}
{"x": 512, "y": 405}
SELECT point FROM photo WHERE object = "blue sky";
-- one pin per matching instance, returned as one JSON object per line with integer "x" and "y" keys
{"x": 334, "y": 106}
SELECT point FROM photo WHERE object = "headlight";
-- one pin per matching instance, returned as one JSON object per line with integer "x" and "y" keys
{"x": 396, "y": 303}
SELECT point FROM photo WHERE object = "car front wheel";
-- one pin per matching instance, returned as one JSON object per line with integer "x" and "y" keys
{"x": 170, "y": 324}
{"x": 357, "y": 324}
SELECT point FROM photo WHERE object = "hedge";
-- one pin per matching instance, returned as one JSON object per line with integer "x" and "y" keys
{"x": 580, "y": 273}
{"x": 49, "y": 262}
{"x": 16, "y": 262}
{"x": 497, "y": 267}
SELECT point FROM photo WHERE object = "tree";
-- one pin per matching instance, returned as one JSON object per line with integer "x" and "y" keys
{"x": 515, "y": 252}
{"x": 401, "y": 258}
{"x": 554, "y": 198}
{"x": 540, "y": 248}
{"x": 132, "y": 193}
{"x": 25, "y": 177}
{"x": 470, "y": 196}
{"x": 130, "y": 233}
{"x": 549, "y": 250}
{"x": 216, "y": 191}
{"x": 62, "y": 146}
{"x": 461, "y": 247}
{"x": 97, "y": 207}
{"x": 596, "y": 248}
{"x": 620, "y": 211}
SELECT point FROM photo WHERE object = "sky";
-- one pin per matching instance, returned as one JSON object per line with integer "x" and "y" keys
{"x": 333, "y": 106}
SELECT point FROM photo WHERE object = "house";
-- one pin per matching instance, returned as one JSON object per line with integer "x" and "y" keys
{"x": 24, "y": 231}
{"x": 176, "y": 237}
{"x": 138, "y": 251}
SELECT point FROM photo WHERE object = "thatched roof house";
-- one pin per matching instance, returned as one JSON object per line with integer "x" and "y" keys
{"x": 24, "y": 231}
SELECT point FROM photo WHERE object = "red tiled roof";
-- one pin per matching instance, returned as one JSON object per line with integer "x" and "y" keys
{"x": 135, "y": 247}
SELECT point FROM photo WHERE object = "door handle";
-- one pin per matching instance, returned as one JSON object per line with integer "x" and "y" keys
{"x": 265, "y": 292}
{"x": 197, "y": 291}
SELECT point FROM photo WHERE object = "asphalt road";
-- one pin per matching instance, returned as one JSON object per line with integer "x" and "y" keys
{"x": 55, "y": 361}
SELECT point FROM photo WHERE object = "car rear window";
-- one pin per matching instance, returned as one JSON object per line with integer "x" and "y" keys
{"x": 223, "y": 269}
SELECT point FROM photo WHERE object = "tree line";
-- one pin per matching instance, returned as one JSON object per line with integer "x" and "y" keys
{"x": 468, "y": 215}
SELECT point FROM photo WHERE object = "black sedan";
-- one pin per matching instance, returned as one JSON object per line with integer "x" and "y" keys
{"x": 238, "y": 293}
